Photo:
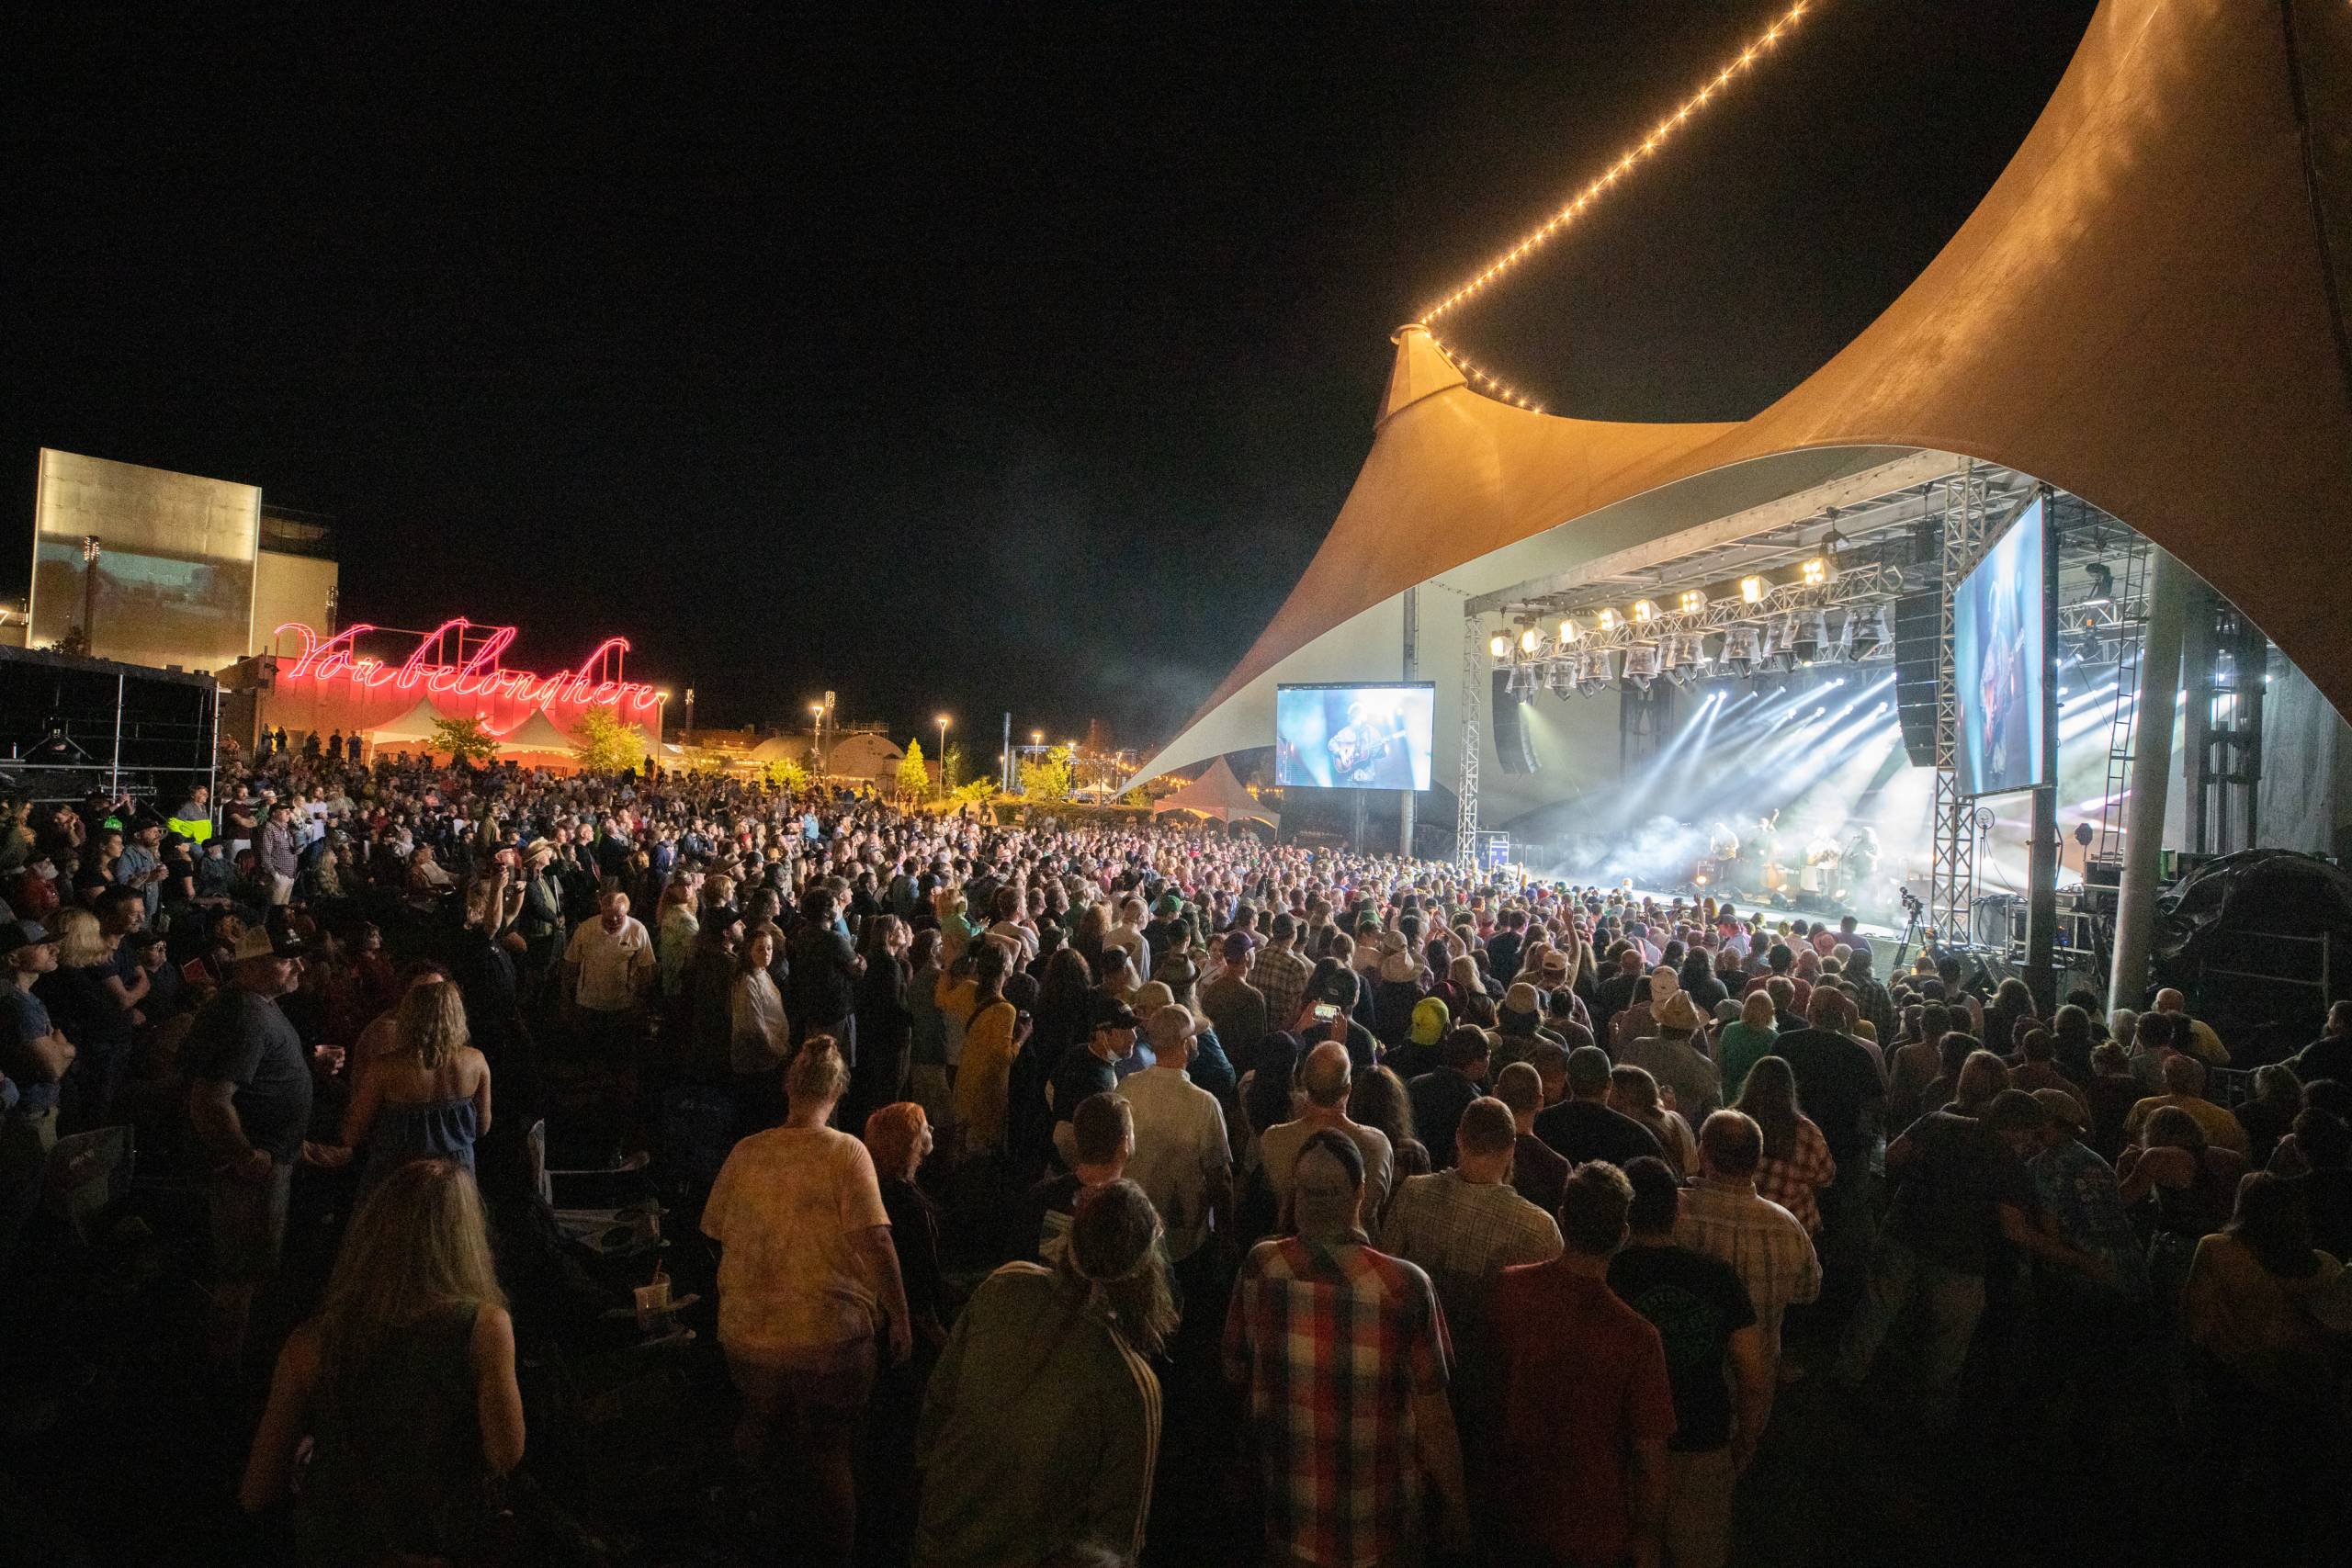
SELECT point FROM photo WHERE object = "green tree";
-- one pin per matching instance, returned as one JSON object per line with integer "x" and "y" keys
{"x": 950, "y": 771}
{"x": 914, "y": 779}
{"x": 1046, "y": 779}
{"x": 788, "y": 776}
{"x": 465, "y": 740}
{"x": 603, "y": 744}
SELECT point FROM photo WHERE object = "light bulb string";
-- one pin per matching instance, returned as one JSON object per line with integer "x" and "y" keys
{"x": 1535, "y": 239}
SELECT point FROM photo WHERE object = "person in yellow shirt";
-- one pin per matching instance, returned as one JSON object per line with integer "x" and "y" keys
{"x": 2193, "y": 1035}
{"x": 2183, "y": 1077}
{"x": 994, "y": 1033}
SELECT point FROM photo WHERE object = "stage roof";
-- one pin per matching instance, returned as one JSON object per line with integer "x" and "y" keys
{"x": 2147, "y": 309}
{"x": 1217, "y": 794}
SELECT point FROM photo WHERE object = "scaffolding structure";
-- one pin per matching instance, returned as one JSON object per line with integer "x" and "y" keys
{"x": 1474, "y": 675}
{"x": 1951, "y": 868}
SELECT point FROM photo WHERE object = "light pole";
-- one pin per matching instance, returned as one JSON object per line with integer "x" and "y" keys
{"x": 941, "y": 722}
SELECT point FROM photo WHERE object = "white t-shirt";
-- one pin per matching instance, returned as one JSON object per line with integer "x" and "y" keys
{"x": 608, "y": 961}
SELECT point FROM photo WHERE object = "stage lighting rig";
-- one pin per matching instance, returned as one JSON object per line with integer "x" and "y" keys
{"x": 1641, "y": 665}
{"x": 1498, "y": 647}
{"x": 1742, "y": 649}
{"x": 1595, "y": 671}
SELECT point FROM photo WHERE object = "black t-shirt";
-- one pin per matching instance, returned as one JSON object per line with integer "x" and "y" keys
{"x": 1584, "y": 1129}
{"x": 1540, "y": 1176}
{"x": 1078, "y": 1074}
{"x": 821, "y": 989}
{"x": 2325, "y": 1058}
{"x": 241, "y": 1038}
{"x": 1439, "y": 1100}
{"x": 1836, "y": 1080}
{"x": 1946, "y": 1205}
{"x": 1696, "y": 1303}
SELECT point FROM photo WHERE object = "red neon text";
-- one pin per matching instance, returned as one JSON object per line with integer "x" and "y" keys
{"x": 332, "y": 658}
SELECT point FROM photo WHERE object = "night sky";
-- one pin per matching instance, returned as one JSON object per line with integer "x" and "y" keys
{"x": 972, "y": 359}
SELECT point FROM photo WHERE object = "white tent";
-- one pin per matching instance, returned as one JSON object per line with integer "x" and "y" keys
{"x": 411, "y": 727}
{"x": 536, "y": 734}
{"x": 1217, "y": 794}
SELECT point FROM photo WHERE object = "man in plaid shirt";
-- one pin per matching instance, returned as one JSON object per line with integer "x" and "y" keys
{"x": 1320, "y": 1324}
{"x": 1723, "y": 1217}
{"x": 1281, "y": 976}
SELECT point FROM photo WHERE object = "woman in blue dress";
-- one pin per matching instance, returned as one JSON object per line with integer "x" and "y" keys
{"x": 427, "y": 1099}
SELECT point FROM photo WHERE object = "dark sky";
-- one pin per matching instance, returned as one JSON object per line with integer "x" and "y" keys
{"x": 976, "y": 359}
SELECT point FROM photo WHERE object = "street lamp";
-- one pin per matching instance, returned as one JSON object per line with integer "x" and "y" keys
{"x": 1036, "y": 738}
{"x": 942, "y": 721}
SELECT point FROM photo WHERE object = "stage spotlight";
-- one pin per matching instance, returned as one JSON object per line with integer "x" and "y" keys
{"x": 1558, "y": 677}
{"x": 1691, "y": 601}
{"x": 1498, "y": 647}
{"x": 1644, "y": 612}
{"x": 1607, "y": 620}
{"x": 1751, "y": 590}
{"x": 1742, "y": 649}
{"x": 1598, "y": 669}
{"x": 1875, "y": 633}
{"x": 1815, "y": 572}
{"x": 1567, "y": 630}
{"x": 1641, "y": 665}
{"x": 1843, "y": 652}
{"x": 1520, "y": 682}
{"x": 1531, "y": 642}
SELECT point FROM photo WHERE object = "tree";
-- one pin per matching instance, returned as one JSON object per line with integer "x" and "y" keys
{"x": 1046, "y": 779}
{"x": 951, "y": 768}
{"x": 603, "y": 744}
{"x": 465, "y": 740}
{"x": 788, "y": 775}
{"x": 914, "y": 779}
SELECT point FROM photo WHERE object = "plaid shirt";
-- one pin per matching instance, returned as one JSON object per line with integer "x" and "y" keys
{"x": 1791, "y": 1182}
{"x": 1766, "y": 1245}
{"x": 1333, "y": 1345}
{"x": 1282, "y": 978}
{"x": 1465, "y": 1233}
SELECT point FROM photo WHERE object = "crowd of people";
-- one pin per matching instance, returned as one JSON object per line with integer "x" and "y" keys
{"x": 1079, "y": 1192}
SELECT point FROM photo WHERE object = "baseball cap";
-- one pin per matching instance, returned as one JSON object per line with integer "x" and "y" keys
{"x": 19, "y": 934}
{"x": 1108, "y": 1013}
{"x": 1237, "y": 944}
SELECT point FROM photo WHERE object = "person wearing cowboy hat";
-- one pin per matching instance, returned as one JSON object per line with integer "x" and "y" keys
{"x": 541, "y": 922}
{"x": 33, "y": 1059}
{"x": 1671, "y": 1057}
{"x": 249, "y": 1101}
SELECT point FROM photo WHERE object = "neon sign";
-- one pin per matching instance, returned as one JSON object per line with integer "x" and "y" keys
{"x": 334, "y": 659}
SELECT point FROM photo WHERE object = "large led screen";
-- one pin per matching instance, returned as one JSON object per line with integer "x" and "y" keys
{"x": 1999, "y": 662}
{"x": 1354, "y": 736}
{"x": 172, "y": 581}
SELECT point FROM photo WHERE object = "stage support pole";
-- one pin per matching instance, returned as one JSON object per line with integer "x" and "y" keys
{"x": 2150, "y": 775}
{"x": 1411, "y": 666}
{"x": 2041, "y": 902}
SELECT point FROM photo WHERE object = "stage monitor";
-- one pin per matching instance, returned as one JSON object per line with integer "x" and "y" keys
{"x": 2000, "y": 661}
{"x": 1354, "y": 736}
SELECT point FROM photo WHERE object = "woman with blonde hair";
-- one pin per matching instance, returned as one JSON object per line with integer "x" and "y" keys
{"x": 90, "y": 1004}
{"x": 1746, "y": 1040}
{"x": 808, "y": 1281}
{"x": 428, "y": 1098}
{"x": 403, "y": 1384}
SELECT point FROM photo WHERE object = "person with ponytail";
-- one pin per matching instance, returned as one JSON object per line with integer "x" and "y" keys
{"x": 1041, "y": 1426}
{"x": 808, "y": 1283}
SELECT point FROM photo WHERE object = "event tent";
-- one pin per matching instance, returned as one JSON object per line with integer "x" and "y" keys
{"x": 535, "y": 735}
{"x": 2147, "y": 310}
{"x": 411, "y": 727}
{"x": 1217, "y": 794}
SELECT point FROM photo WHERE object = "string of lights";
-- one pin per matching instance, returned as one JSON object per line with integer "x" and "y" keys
{"x": 1544, "y": 233}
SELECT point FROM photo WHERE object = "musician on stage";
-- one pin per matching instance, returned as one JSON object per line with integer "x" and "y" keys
{"x": 1370, "y": 752}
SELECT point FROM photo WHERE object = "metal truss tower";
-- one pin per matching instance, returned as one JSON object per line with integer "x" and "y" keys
{"x": 1952, "y": 872}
